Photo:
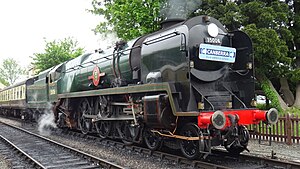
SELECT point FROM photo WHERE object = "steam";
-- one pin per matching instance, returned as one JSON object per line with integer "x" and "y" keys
{"x": 179, "y": 9}
{"x": 46, "y": 122}
{"x": 108, "y": 40}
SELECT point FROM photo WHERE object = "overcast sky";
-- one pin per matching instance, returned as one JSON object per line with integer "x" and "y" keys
{"x": 25, "y": 24}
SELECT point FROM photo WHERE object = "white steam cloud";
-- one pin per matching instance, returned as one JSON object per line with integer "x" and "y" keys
{"x": 46, "y": 122}
{"x": 179, "y": 9}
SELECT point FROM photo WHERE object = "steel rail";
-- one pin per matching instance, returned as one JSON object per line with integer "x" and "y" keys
{"x": 197, "y": 164}
{"x": 100, "y": 161}
{"x": 36, "y": 163}
{"x": 159, "y": 154}
{"x": 268, "y": 162}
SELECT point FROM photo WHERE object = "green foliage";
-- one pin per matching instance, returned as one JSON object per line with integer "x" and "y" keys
{"x": 128, "y": 18}
{"x": 293, "y": 110}
{"x": 10, "y": 71}
{"x": 228, "y": 13}
{"x": 4, "y": 82}
{"x": 262, "y": 106}
{"x": 271, "y": 52}
{"x": 55, "y": 53}
{"x": 270, "y": 94}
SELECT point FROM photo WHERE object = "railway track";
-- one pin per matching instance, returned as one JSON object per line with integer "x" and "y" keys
{"x": 219, "y": 159}
{"x": 41, "y": 152}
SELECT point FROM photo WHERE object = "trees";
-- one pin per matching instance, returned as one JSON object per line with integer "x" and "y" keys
{"x": 128, "y": 18}
{"x": 294, "y": 47}
{"x": 4, "y": 82}
{"x": 10, "y": 71}
{"x": 55, "y": 53}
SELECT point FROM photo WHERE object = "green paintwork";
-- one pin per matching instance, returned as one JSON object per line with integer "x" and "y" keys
{"x": 37, "y": 93}
{"x": 76, "y": 72}
{"x": 165, "y": 56}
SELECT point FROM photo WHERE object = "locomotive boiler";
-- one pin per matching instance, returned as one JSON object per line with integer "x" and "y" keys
{"x": 189, "y": 86}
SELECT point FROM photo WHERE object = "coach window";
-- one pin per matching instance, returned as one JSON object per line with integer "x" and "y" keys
{"x": 21, "y": 92}
{"x": 18, "y": 95}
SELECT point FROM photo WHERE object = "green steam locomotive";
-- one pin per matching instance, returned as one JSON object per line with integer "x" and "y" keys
{"x": 189, "y": 86}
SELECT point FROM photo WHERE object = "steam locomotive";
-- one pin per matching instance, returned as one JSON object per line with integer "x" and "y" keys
{"x": 189, "y": 86}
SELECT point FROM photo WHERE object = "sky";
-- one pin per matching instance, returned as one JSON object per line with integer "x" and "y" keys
{"x": 26, "y": 23}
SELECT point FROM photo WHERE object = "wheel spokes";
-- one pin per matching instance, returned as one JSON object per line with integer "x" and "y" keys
{"x": 84, "y": 123}
{"x": 191, "y": 148}
{"x": 103, "y": 128}
{"x": 152, "y": 140}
